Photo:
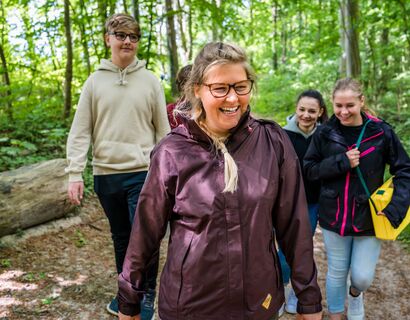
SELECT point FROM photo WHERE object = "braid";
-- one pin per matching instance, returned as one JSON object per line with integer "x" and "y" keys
{"x": 230, "y": 167}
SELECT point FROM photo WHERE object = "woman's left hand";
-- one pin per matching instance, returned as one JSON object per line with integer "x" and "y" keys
{"x": 312, "y": 316}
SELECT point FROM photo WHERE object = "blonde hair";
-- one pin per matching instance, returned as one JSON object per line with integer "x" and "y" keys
{"x": 212, "y": 54}
{"x": 122, "y": 21}
{"x": 356, "y": 87}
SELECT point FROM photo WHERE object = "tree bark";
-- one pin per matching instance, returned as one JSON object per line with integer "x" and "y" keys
{"x": 6, "y": 78}
{"x": 151, "y": 31}
{"x": 190, "y": 32}
{"x": 136, "y": 8}
{"x": 32, "y": 195}
{"x": 69, "y": 63}
{"x": 350, "y": 17}
{"x": 172, "y": 47}
{"x": 83, "y": 27}
{"x": 275, "y": 14}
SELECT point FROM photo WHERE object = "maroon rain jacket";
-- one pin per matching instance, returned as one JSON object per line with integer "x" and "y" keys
{"x": 222, "y": 262}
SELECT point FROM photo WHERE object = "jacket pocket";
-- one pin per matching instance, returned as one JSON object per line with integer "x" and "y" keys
{"x": 171, "y": 284}
{"x": 329, "y": 207}
{"x": 361, "y": 218}
{"x": 278, "y": 271}
{"x": 184, "y": 256}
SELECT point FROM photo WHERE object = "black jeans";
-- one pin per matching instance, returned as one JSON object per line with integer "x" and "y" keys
{"x": 118, "y": 195}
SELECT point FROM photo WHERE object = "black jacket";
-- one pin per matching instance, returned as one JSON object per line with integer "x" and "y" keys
{"x": 301, "y": 144}
{"x": 343, "y": 204}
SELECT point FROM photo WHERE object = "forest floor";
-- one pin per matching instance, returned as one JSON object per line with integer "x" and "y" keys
{"x": 68, "y": 273}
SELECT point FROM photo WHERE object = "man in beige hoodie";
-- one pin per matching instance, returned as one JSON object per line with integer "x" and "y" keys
{"x": 122, "y": 114}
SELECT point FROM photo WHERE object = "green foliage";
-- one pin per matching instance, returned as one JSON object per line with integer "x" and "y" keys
{"x": 292, "y": 45}
{"x": 5, "y": 263}
{"x": 404, "y": 237}
{"x": 79, "y": 239}
{"x": 33, "y": 277}
{"x": 47, "y": 301}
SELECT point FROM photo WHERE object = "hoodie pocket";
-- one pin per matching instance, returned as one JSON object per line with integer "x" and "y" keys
{"x": 119, "y": 155}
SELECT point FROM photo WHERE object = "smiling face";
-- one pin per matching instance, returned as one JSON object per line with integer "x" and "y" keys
{"x": 308, "y": 112}
{"x": 223, "y": 114}
{"x": 347, "y": 106}
{"x": 122, "y": 52}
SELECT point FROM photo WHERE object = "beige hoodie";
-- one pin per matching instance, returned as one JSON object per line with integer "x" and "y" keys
{"x": 122, "y": 113}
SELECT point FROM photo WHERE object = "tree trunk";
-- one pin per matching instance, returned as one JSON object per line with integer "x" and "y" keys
{"x": 349, "y": 17}
{"x": 136, "y": 8}
{"x": 6, "y": 78}
{"x": 191, "y": 37}
{"x": 151, "y": 30}
{"x": 69, "y": 63}
{"x": 32, "y": 195}
{"x": 215, "y": 21}
{"x": 172, "y": 47}
{"x": 275, "y": 14}
{"x": 102, "y": 12}
{"x": 83, "y": 27}
{"x": 181, "y": 26}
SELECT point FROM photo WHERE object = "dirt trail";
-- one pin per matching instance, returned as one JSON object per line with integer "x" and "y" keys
{"x": 68, "y": 273}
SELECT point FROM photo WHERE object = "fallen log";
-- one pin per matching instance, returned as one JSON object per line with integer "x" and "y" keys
{"x": 32, "y": 195}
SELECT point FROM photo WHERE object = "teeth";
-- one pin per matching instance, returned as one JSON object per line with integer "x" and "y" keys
{"x": 229, "y": 109}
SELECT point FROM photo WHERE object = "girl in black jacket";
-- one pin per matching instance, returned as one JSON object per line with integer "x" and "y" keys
{"x": 344, "y": 213}
{"x": 309, "y": 114}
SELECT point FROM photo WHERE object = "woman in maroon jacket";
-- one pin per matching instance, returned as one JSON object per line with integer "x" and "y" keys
{"x": 222, "y": 181}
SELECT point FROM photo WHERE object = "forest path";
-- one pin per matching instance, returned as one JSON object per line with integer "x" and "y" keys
{"x": 68, "y": 273}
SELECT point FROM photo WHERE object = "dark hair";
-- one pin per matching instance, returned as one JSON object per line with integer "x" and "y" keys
{"x": 182, "y": 77}
{"x": 311, "y": 93}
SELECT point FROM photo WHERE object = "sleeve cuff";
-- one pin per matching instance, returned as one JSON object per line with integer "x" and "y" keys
{"x": 75, "y": 177}
{"x": 128, "y": 309}
{"x": 309, "y": 309}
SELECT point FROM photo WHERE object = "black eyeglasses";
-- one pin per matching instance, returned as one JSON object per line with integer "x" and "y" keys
{"x": 121, "y": 36}
{"x": 220, "y": 90}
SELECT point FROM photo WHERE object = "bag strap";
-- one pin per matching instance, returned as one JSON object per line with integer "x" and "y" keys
{"x": 358, "y": 171}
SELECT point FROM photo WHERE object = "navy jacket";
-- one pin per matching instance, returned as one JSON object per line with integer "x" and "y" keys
{"x": 343, "y": 204}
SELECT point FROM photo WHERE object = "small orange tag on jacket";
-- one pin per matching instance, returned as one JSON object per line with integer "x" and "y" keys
{"x": 267, "y": 301}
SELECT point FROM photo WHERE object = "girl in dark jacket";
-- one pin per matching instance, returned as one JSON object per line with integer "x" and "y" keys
{"x": 344, "y": 213}
{"x": 222, "y": 181}
{"x": 309, "y": 114}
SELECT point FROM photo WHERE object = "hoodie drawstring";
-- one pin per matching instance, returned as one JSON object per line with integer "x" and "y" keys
{"x": 121, "y": 81}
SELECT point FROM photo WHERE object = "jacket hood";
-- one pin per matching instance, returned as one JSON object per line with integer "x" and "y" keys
{"x": 292, "y": 125}
{"x": 108, "y": 65}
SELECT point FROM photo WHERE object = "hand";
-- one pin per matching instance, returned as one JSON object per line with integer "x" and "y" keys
{"x": 124, "y": 317}
{"x": 380, "y": 213}
{"x": 75, "y": 192}
{"x": 354, "y": 157}
{"x": 312, "y": 316}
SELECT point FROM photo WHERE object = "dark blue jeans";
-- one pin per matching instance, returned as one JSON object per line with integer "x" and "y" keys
{"x": 118, "y": 195}
{"x": 313, "y": 217}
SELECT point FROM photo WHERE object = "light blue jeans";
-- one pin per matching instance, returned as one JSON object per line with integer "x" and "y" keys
{"x": 359, "y": 255}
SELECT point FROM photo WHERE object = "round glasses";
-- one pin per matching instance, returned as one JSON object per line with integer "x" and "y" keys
{"x": 121, "y": 36}
{"x": 220, "y": 90}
